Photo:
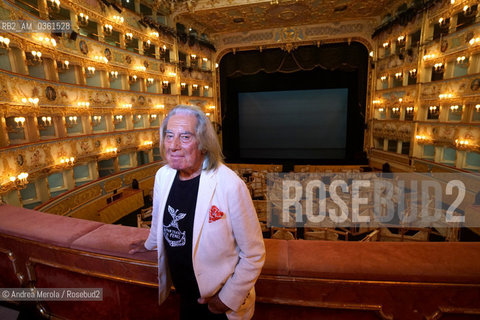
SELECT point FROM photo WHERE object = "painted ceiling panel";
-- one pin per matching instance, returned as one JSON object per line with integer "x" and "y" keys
{"x": 230, "y": 16}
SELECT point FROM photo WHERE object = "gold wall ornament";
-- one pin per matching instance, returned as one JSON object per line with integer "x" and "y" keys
{"x": 310, "y": 35}
{"x": 17, "y": 182}
{"x": 289, "y": 47}
{"x": 291, "y": 34}
{"x": 63, "y": 208}
{"x": 66, "y": 162}
{"x": 66, "y": 95}
{"x": 33, "y": 57}
{"x": 4, "y": 42}
{"x": 423, "y": 138}
{"x": 107, "y": 29}
{"x": 84, "y": 196}
{"x": 113, "y": 184}
{"x": 263, "y": 15}
{"x": 20, "y": 159}
{"x": 83, "y": 19}
{"x": 49, "y": 159}
{"x": 6, "y": 169}
{"x": 81, "y": 203}
{"x": 39, "y": 158}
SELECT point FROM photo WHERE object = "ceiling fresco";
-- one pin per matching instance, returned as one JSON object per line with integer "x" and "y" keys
{"x": 229, "y": 16}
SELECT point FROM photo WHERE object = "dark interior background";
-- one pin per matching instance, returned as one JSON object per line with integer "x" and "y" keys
{"x": 340, "y": 65}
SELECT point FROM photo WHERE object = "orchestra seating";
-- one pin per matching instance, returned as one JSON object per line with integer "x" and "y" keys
{"x": 328, "y": 168}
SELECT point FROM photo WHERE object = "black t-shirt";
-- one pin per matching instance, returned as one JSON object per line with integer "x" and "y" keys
{"x": 178, "y": 233}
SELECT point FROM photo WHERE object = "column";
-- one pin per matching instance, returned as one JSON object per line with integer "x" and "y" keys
{"x": 59, "y": 123}
{"x": 128, "y": 121}
{"x": 86, "y": 124}
{"x": 4, "y": 141}
{"x": 31, "y": 128}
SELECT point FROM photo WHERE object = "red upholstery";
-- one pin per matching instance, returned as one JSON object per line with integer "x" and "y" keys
{"x": 392, "y": 261}
{"x": 43, "y": 227}
{"x": 301, "y": 279}
{"x": 276, "y": 262}
{"x": 114, "y": 240}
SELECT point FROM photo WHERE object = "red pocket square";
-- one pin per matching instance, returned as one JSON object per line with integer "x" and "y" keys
{"x": 215, "y": 214}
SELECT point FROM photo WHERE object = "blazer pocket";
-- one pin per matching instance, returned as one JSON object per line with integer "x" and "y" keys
{"x": 219, "y": 230}
{"x": 215, "y": 214}
{"x": 219, "y": 223}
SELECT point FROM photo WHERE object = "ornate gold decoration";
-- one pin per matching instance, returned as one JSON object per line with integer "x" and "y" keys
{"x": 394, "y": 130}
{"x": 38, "y": 159}
{"x": 218, "y": 19}
{"x": 113, "y": 184}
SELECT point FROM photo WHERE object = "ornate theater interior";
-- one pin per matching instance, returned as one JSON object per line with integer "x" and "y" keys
{"x": 292, "y": 87}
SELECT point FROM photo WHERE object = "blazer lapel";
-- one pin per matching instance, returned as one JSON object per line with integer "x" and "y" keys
{"x": 205, "y": 193}
{"x": 164, "y": 192}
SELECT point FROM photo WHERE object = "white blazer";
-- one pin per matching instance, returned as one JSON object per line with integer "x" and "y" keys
{"x": 228, "y": 253}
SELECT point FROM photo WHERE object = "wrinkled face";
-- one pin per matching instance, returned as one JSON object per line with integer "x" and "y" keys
{"x": 181, "y": 146}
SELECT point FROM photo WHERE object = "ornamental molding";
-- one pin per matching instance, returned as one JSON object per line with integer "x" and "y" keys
{"x": 300, "y": 35}
{"x": 67, "y": 97}
{"x": 447, "y": 135}
{"x": 393, "y": 130}
{"x": 398, "y": 30}
{"x": 122, "y": 60}
{"x": 467, "y": 87}
{"x": 391, "y": 97}
{"x": 97, "y": 12}
{"x": 87, "y": 199}
{"x": 41, "y": 158}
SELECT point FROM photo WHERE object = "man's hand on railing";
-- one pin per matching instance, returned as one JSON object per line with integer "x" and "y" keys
{"x": 137, "y": 246}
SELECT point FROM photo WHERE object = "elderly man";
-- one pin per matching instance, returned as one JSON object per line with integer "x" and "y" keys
{"x": 204, "y": 224}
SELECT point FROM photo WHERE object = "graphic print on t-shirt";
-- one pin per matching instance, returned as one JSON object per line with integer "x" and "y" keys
{"x": 174, "y": 236}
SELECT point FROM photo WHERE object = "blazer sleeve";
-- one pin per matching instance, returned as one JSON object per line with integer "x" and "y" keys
{"x": 249, "y": 241}
{"x": 151, "y": 242}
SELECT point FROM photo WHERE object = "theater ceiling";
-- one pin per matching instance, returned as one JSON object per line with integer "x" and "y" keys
{"x": 229, "y": 16}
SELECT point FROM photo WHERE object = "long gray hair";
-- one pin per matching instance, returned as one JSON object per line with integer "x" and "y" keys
{"x": 207, "y": 138}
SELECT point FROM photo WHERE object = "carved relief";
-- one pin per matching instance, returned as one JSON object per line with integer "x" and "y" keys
{"x": 108, "y": 54}
{"x": 113, "y": 184}
{"x": 392, "y": 130}
{"x": 103, "y": 98}
{"x": 444, "y": 135}
{"x": 250, "y": 16}
{"x": 118, "y": 56}
{"x": 86, "y": 147}
{"x": 251, "y": 38}
{"x": 448, "y": 136}
{"x": 50, "y": 93}
{"x": 475, "y": 84}
{"x": 38, "y": 159}
{"x": 66, "y": 95}
{"x": 129, "y": 139}
{"x": 83, "y": 47}
{"x": 332, "y": 30}
{"x": 432, "y": 91}
{"x": 84, "y": 202}
{"x": 72, "y": 201}
{"x": 86, "y": 195}
{"x": 61, "y": 208}
{"x": 20, "y": 159}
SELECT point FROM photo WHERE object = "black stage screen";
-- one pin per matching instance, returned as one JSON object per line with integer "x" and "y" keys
{"x": 268, "y": 129}
{"x": 306, "y": 106}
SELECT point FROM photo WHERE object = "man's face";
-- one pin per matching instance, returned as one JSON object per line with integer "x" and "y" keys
{"x": 181, "y": 145}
